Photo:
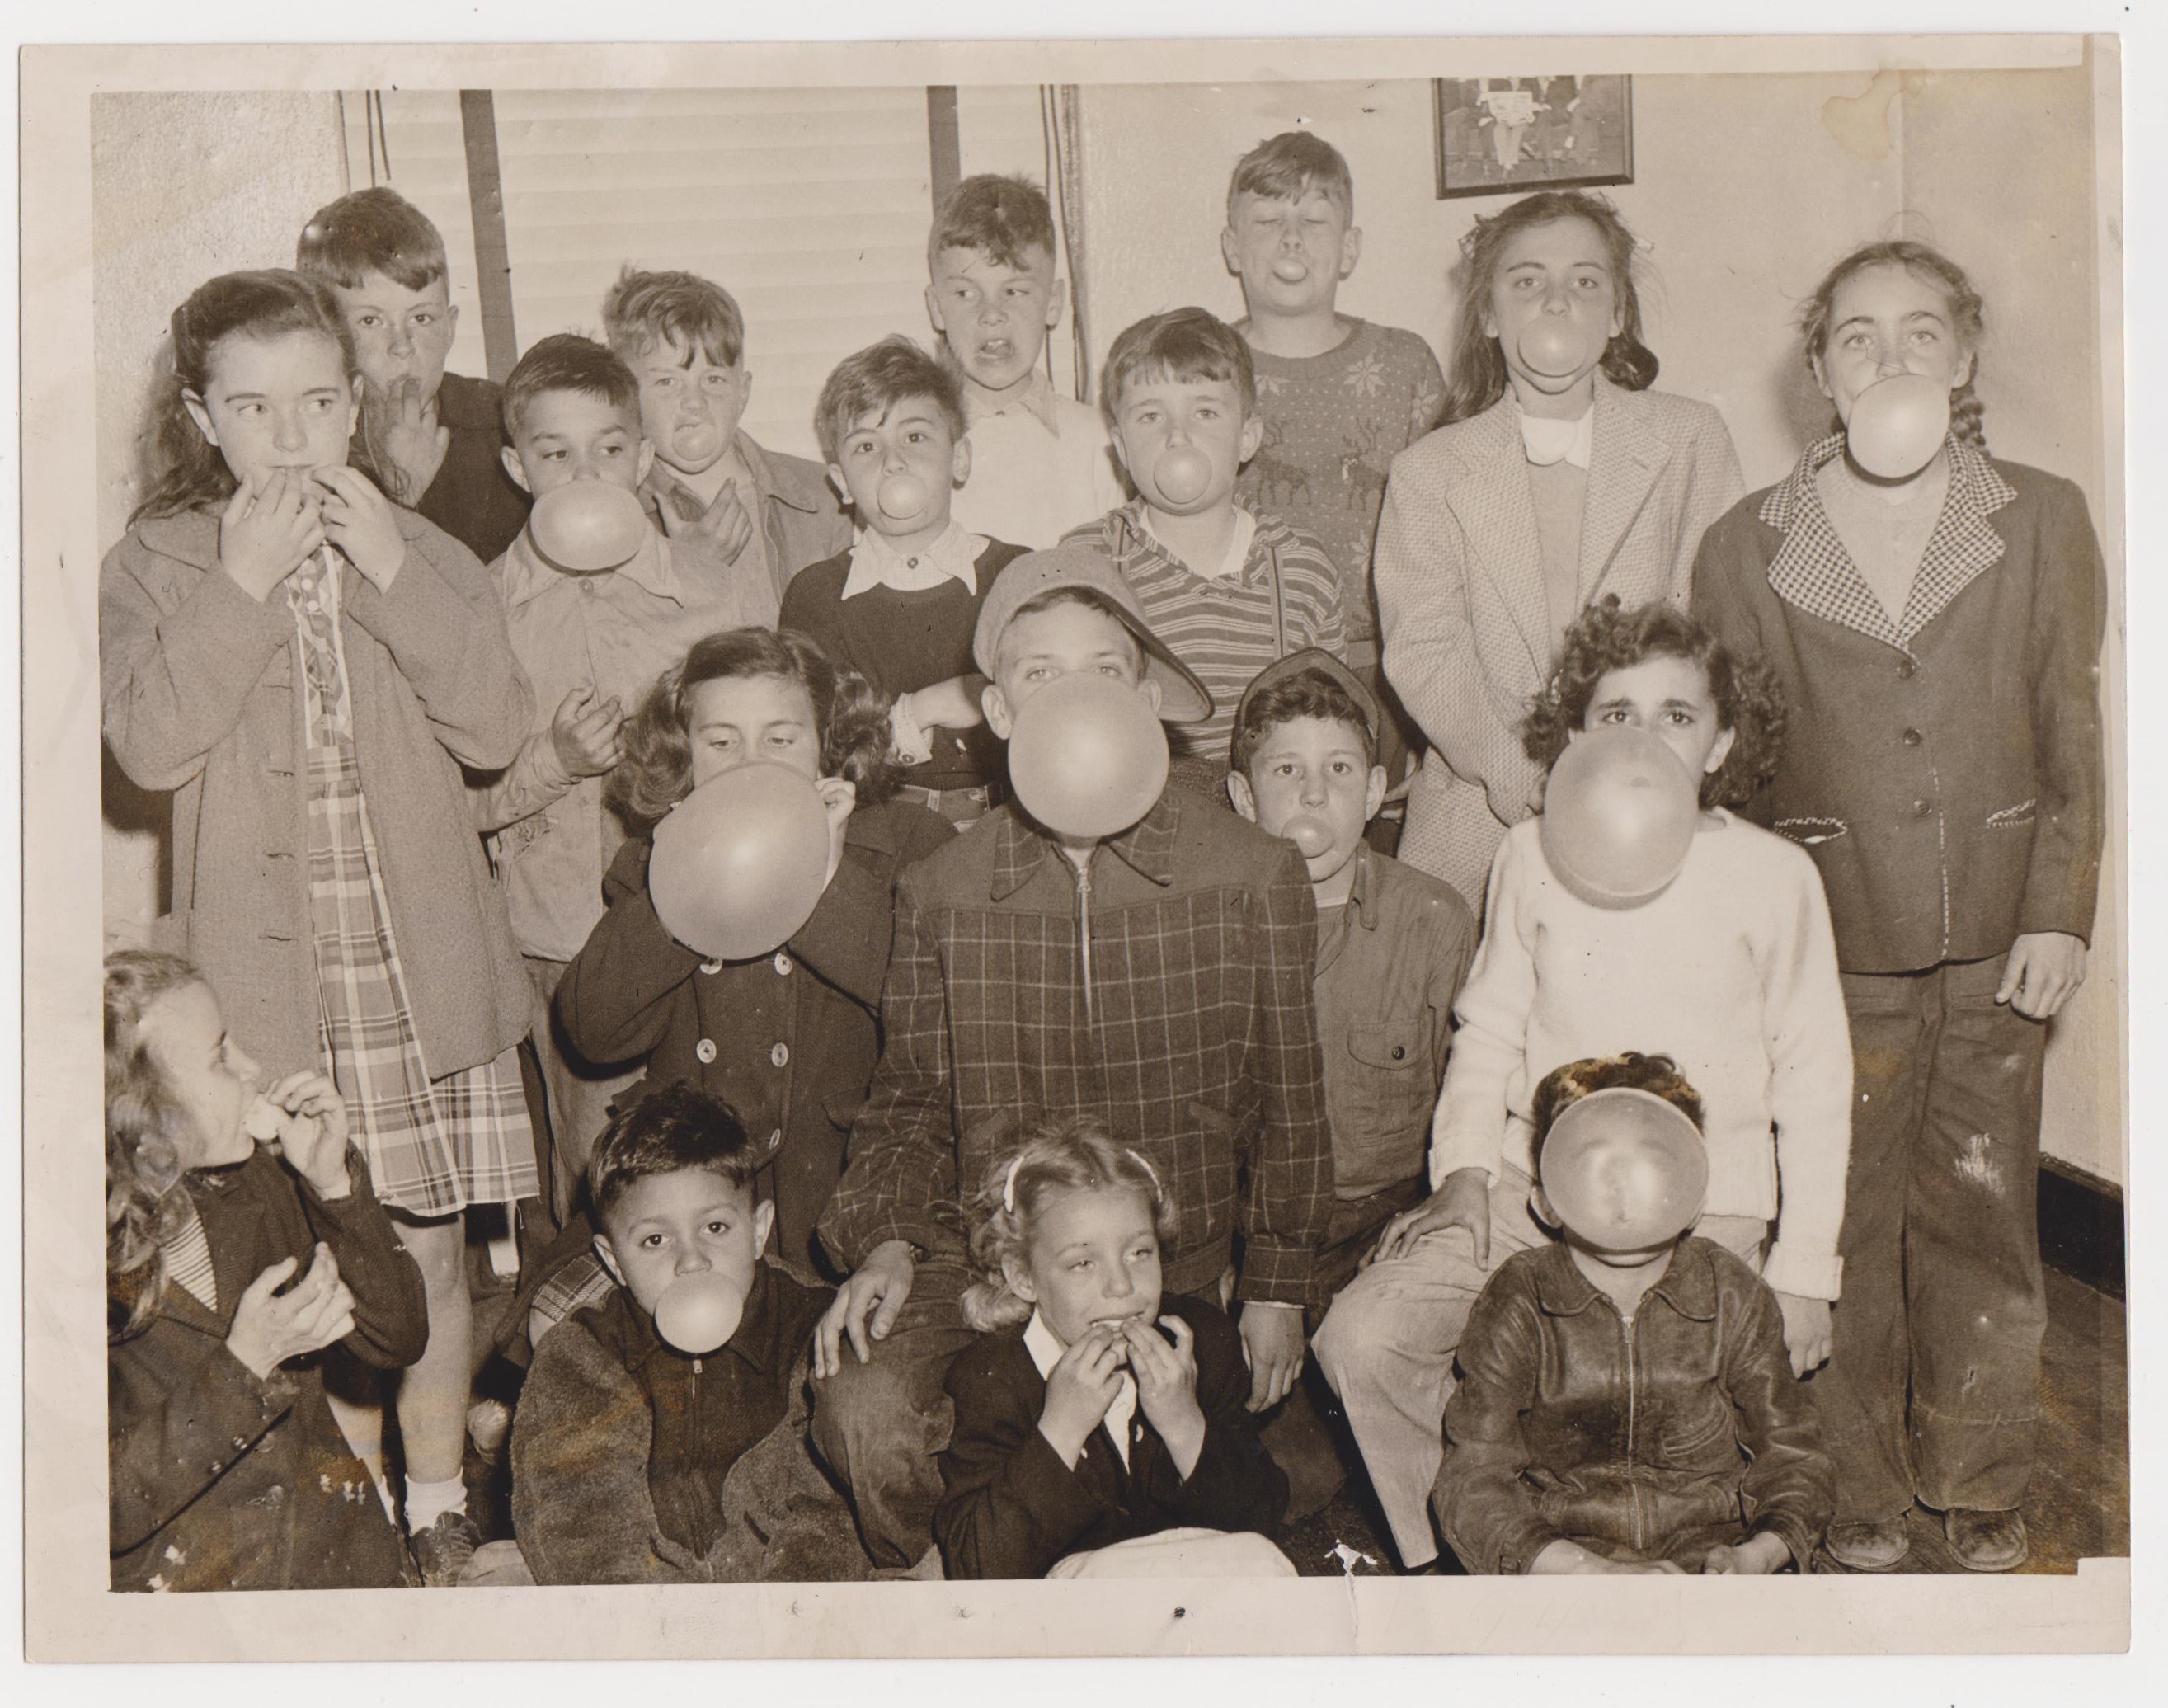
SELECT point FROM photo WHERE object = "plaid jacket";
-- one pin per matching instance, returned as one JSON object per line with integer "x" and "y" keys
{"x": 1181, "y": 1013}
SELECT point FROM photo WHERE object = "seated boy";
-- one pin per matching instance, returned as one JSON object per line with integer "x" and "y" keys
{"x": 1392, "y": 944}
{"x": 591, "y": 645}
{"x": 1040, "y": 463}
{"x": 1341, "y": 397}
{"x": 638, "y": 1460}
{"x": 761, "y": 516}
{"x": 1229, "y": 591}
{"x": 900, "y": 605}
{"x": 433, "y": 437}
{"x": 1626, "y": 1402}
{"x": 1157, "y": 978}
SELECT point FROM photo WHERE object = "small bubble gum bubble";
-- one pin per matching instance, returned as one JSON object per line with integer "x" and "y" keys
{"x": 1183, "y": 474}
{"x": 902, "y": 496}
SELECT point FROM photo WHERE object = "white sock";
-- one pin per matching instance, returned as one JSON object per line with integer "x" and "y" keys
{"x": 425, "y": 1500}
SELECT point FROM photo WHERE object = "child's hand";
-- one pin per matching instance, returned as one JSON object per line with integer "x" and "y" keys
{"x": 1166, "y": 1386}
{"x": 312, "y": 1131}
{"x": 1079, "y": 1388}
{"x": 406, "y": 446}
{"x": 587, "y": 733}
{"x": 838, "y": 797}
{"x": 1462, "y": 1201}
{"x": 2044, "y": 971}
{"x": 879, "y": 1286}
{"x": 270, "y": 525}
{"x": 1806, "y": 1331}
{"x": 1758, "y": 1557}
{"x": 1567, "y": 1559}
{"x": 268, "y": 1328}
{"x": 363, "y": 523}
{"x": 947, "y": 705}
{"x": 1272, "y": 1341}
{"x": 726, "y": 524}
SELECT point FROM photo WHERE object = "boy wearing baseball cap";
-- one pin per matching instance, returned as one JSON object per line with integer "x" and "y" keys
{"x": 1158, "y": 978}
{"x": 1392, "y": 944}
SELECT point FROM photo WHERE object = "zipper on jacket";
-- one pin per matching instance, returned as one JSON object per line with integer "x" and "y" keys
{"x": 1084, "y": 934}
{"x": 1633, "y": 1382}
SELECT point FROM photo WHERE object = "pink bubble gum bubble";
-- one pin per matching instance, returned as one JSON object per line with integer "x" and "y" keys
{"x": 586, "y": 527}
{"x": 740, "y": 864}
{"x": 1087, "y": 756}
{"x": 1898, "y": 424}
{"x": 1553, "y": 347}
{"x": 901, "y": 496}
{"x": 698, "y": 1313}
{"x": 1182, "y": 474}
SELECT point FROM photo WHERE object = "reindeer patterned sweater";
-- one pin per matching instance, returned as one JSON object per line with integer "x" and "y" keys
{"x": 1333, "y": 424}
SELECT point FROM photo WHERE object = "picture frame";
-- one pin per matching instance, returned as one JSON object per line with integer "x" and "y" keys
{"x": 1508, "y": 136}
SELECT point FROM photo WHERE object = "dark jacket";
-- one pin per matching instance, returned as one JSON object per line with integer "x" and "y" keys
{"x": 1946, "y": 771}
{"x": 1658, "y": 1436}
{"x": 472, "y": 498}
{"x": 634, "y": 989}
{"x": 1170, "y": 995}
{"x": 625, "y": 1450}
{"x": 219, "y": 1480}
{"x": 1010, "y": 1508}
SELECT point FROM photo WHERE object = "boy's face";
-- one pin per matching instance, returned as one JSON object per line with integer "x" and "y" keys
{"x": 1157, "y": 414}
{"x": 1068, "y": 639}
{"x": 689, "y": 407}
{"x": 689, "y": 1222}
{"x": 1290, "y": 254}
{"x": 276, "y": 403}
{"x": 567, "y": 436}
{"x": 399, "y": 333}
{"x": 994, "y": 314}
{"x": 1093, "y": 1256}
{"x": 913, "y": 438}
{"x": 1669, "y": 699}
{"x": 1310, "y": 781}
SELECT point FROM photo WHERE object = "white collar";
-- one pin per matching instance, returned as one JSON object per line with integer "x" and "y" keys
{"x": 1046, "y": 1348}
{"x": 1548, "y": 441}
{"x": 952, "y": 556}
{"x": 1229, "y": 568}
{"x": 1035, "y": 397}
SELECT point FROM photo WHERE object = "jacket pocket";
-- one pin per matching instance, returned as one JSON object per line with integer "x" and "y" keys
{"x": 2015, "y": 817}
{"x": 1810, "y": 830}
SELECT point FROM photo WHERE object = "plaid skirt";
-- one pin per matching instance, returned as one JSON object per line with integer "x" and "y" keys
{"x": 433, "y": 1146}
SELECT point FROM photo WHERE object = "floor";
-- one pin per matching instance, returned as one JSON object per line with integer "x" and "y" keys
{"x": 2079, "y": 1503}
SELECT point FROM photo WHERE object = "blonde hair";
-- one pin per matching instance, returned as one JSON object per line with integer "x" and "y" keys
{"x": 1074, "y": 1153}
{"x": 145, "y": 1126}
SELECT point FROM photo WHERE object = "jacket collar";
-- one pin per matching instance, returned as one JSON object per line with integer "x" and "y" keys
{"x": 1813, "y": 572}
{"x": 523, "y": 575}
{"x": 1146, "y": 847}
{"x": 191, "y": 536}
{"x": 802, "y": 486}
{"x": 1688, "y": 1287}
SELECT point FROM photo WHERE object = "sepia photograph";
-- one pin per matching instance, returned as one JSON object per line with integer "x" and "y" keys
{"x": 1306, "y": 827}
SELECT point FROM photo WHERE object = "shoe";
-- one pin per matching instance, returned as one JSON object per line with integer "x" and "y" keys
{"x": 445, "y": 1550}
{"x": 1873, "y": 1545}
{"x": 1986, "y": 1541}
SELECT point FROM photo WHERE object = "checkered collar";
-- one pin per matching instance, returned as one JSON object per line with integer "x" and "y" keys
{"x": 1147, "y": 846}
{"x": 1812, "y": 570}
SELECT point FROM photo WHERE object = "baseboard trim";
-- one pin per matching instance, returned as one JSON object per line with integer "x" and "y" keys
{"x": 2081, "y": 1225}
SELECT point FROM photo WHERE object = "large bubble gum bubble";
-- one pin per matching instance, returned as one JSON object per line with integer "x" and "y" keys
{"x": 1182, "y": 474}
{"x": 901, "y": 496}
{"x": 740, "y": 863}
{"x": 698, "y": 1313}
{"x": 1624, "y": 1170}
{"x": 1310, "y": 834}
{"x": 1554, "y": 347}
{"x": 1087, "y": 756}
{"x": 586, "y": 527}
{"x": 1898, "y": 424}
{"x": 1619, "y": 818}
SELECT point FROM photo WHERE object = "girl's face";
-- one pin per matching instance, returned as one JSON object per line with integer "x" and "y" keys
{"x": 1556, "y": 279}
{"x": 215, "y": 1081}
{"x": 1091, "y": 1257}
{"x": 1886, "y": 321}
{"x": 282, "y": 402}
{"x": 735, "y": 721}
{"x": 1668, "y": 698}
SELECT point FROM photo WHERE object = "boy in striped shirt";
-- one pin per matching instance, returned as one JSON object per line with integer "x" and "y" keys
{"x": 1228, "y": 591}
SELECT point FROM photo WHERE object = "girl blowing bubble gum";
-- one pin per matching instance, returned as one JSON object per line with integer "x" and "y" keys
{"x": 307, "y": 667}
{"x": 241, "y": 1239}
{"x": 1101, "y": 1428}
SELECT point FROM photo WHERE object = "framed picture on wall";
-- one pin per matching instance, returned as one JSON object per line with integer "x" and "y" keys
{"x": 1502, "y": 135}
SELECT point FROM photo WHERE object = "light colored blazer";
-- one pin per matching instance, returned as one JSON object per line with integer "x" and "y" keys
{"x": 1460, "y": 593}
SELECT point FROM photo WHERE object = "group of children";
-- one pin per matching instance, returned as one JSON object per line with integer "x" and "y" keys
{"x": 1032, "y": 1169}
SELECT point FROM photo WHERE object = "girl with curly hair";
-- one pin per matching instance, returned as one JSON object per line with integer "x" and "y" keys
{"x": 1731, "y": 972}
{"x": 787, "y": 1040}
{"x": 1102, "y": 1429}
{"x": 1943, "y": 628}
{"x": 1560, "y": 476}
